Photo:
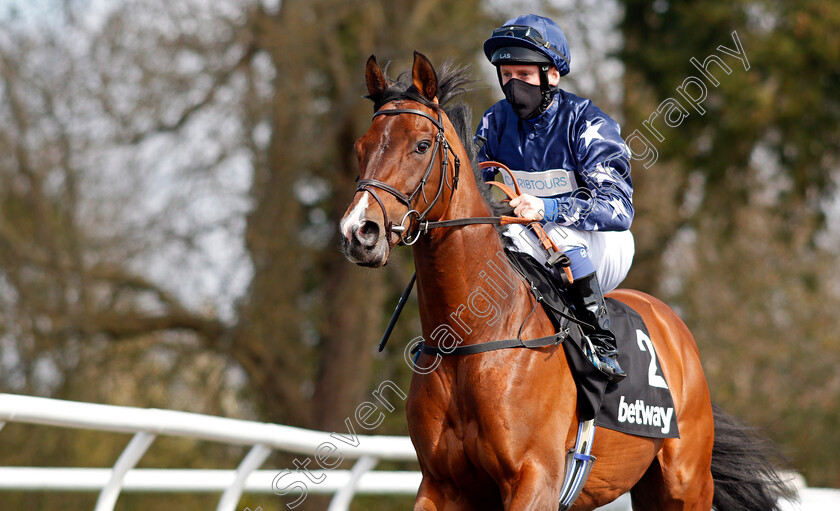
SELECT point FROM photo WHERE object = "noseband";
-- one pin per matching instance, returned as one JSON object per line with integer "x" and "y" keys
{"x": 411, "y": 232}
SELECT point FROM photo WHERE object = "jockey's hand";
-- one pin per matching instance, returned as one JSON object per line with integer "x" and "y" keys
{"x": 528, "y": 207}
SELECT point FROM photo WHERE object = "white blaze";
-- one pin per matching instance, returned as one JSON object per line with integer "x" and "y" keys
{"x": 355, "y": 218}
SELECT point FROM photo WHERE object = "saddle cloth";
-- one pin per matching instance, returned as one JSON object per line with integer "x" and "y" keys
{"x": 640, "y": 404}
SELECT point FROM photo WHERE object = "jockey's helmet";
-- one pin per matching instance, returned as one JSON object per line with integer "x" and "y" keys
{"x": 529, "y": 39}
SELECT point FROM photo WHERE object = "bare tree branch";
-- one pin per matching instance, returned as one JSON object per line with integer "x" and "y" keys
{"x": 122, "y": 325}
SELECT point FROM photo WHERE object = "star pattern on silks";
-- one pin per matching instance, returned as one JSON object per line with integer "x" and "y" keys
{"x": 618, "y": 208}
{"x": 602, "y": 173}
{"x": 591, "y": 133}
{"x": 571, "y": 219}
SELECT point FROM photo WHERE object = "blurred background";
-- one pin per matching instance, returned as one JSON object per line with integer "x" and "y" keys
{"x": 172, "y": 174}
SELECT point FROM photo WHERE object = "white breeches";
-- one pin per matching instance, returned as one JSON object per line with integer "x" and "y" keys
{"x": 611, "y": 251}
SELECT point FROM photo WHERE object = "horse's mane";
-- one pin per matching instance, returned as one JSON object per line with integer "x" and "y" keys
{"x": 453, "y": 81}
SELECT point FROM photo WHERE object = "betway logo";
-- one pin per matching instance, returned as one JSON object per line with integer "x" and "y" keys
{"x": 639, "y": 413}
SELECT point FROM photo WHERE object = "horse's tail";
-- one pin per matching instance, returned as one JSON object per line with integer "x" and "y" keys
{"x": 744, "y": 468}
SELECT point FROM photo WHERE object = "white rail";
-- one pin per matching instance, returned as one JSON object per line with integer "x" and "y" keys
{"x": 147, "y": 423}
{"x": 126, "y": 419}
{"x": 167, "y": 480}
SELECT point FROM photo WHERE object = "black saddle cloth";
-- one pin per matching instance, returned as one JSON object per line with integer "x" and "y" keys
{"x": 641, "y": 403}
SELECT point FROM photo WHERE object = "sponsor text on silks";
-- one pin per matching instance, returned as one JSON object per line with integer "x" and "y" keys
{"x": 545, "y": 183}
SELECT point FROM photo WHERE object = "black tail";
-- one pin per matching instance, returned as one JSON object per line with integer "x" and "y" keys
{"x": 744, "y": 468}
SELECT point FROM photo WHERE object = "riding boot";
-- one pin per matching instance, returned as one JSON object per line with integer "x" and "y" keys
{"x": 590, "y": 307}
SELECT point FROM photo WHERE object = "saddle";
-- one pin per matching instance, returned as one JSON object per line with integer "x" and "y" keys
{"x": 591, "y": 383}
{"x": 640, "y": 404}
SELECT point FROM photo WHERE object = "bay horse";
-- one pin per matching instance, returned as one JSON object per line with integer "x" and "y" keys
{"x": 492, "y": 430}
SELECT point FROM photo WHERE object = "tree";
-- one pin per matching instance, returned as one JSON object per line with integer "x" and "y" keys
{"x": 143, "y": 142}
{"x": 730, "y": 217}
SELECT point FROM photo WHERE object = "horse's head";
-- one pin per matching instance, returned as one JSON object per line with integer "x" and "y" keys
{"x": 407, "y": 169}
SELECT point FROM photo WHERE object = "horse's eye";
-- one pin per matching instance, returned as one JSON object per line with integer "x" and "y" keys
{"x": 423, "y": 146}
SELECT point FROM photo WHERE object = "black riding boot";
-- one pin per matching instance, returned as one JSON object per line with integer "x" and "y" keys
{"x": 589, "y": 307}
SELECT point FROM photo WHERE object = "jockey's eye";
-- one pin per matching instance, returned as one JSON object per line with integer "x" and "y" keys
{"x": 423, "y": 146}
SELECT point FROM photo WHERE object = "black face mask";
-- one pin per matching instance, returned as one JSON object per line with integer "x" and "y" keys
{"x": 523, "y": 97}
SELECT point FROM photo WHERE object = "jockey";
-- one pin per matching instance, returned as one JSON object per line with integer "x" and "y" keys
{"x": 571, "y": 164}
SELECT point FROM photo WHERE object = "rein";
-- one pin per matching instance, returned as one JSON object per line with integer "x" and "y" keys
{"x": 409, "y": 234}
{"x": 417, "y": 223}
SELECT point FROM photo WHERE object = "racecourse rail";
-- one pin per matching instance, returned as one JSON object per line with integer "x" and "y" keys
{"x": 146, "y": 424}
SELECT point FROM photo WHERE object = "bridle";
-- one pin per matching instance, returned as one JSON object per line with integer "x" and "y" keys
{"x": 417, "y": 223}
{"x": 415, "y": 218}
{"x": 409, "y": 234}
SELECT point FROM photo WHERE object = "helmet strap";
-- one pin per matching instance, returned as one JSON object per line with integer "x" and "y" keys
{"x": 547, "y": 89}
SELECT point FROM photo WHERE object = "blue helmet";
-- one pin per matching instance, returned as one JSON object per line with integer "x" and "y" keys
{"x": 529, "y": 39}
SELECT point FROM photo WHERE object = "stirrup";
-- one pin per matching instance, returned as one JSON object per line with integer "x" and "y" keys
{"x": 610, "y": 367}
{"x": 579, "y": 463}
{"x": 602, "y": 361}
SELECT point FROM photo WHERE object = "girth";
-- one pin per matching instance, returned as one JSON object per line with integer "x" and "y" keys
{"x": 472, "y": 349}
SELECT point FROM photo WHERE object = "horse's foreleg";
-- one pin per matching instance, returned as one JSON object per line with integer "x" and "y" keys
{"x": 436, "y": 496}
{"x": 429, "y": 497}
{"x": 533, "y": 488}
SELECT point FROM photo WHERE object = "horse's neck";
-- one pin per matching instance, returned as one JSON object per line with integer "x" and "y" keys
{"x": 466, "y": 288}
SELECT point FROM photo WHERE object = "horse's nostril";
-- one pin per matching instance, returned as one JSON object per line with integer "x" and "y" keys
{"x": 368, "y": 233}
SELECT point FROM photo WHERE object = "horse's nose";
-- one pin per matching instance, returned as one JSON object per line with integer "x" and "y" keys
{"x": 367, "y": 233}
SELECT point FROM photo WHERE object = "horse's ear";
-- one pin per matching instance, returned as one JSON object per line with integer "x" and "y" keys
{"x": 424, "y": 77}
{"x": 376, "y": 82}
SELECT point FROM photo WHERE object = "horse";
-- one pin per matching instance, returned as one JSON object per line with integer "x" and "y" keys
{"x": 492, "y": 430}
